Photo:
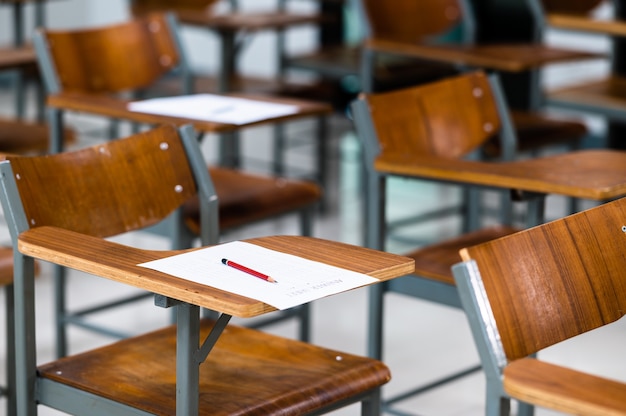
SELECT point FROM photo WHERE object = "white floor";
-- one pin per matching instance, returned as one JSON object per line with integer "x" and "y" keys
{"x": 422, "y": 340}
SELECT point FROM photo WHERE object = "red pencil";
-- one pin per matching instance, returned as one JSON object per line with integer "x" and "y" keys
{"x": 248, "y": 270}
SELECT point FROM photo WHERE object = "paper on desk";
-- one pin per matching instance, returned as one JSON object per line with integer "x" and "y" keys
{"x": 299, "y": 280}
{"x": 215, "y": 108}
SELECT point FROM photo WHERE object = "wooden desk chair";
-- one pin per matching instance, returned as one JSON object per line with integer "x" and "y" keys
{"x": 393, "y": 33}
{"x": 426, "y": 133}
{"x": 418, "y": 121}
{"x": 62, "y": 208}
{"x": 603, "y": 95}
{"x": 86, "y": 70}
{"x": 339, "y": 65}
{"x": 234, "y": 30}
{"x": 537, "y": 288}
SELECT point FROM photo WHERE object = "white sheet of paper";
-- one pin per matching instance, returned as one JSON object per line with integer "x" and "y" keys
{"x": 215, "y": 108}
{"x": 299, "y": 280}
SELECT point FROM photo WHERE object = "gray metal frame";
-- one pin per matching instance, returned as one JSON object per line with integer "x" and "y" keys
{"x": 487, "y": 338}
{"x": 376, "y": 230}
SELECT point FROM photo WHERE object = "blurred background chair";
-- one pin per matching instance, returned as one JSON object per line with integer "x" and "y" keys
{"x": 537, "y": 288}
{"x": 446, "y": 39}
{"x": 235, "y": 29}
{"x": 87, "y": 70}
{"x": 603, "y": 95}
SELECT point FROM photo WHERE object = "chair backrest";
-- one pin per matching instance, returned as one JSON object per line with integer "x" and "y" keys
{"x": 409, "y": 20}
{"x": 448, "y": 118}
{"x": 546, "y": 284}
{"x": 115, "y": 58}
{"x": 145, "y": 7}
{"x": 111, "y": 188}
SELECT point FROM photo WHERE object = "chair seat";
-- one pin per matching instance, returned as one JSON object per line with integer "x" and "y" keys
{"x": 536, "y": 131}
{"x": 550, "y": 386}
{"x": 435, "y": 261}
{"x": 245, "y": 198}
{"x": 23, "y": 137}
{"x": 248, "y": 372}
{"x": 17, "y": 57}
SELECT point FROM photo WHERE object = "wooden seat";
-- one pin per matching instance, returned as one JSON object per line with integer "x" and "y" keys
{"x": 511, "y": 288}
{"x": 28, "y": 137}
{"x": 91, "y": 82}
{"x": 246, "y": 198}
{"x": 122, "y": 186}
{"x": 283, "y": 384}
{"x": 429, "y": 133}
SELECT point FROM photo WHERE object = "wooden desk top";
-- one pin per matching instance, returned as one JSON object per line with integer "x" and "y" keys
{"x": 118, "y": 262}
{"x": 590, "y": 174}
{"x": 113, "y": 107}
{"x": 248, "y": 22}
{"x": 11, "y": 58}
{"x": 500, "y": 57}
{"x": 607, "y": 96}
{"x": 586, "y": 24}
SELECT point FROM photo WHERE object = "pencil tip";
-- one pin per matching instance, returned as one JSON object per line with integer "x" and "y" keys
{"x": 224, "y": 261}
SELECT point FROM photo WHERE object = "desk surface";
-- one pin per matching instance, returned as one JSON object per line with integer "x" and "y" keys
{"x": 118, "y": 262}
{"x": 590, "y": 174}
{"x": 611, "y": 27}
{"x": 112, "y": 107}
{"x": 247, "y": 22}
{"x": 499, "y": 57}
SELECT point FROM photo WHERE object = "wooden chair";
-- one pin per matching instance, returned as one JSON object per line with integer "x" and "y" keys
{"x": 417, "y": 121}
{"x": 86, "y": 70}
{"x": 339, "y": 65}
{"x": 431, "y": 133}
{"x": 234, "y": 29}
{"x": 391, "y": 25}
{"x": 537, "y": 288}
{"x": 62, "y": 208}
{"x": 602, "y": 95}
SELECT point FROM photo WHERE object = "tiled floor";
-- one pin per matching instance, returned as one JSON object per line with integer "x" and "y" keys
{"x": 422, "y": 340}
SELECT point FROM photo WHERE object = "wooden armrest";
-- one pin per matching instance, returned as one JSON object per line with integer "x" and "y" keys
{"x": 564, "y": 389}
{"x": 590, "y": 174}
{"x": 108, "y": 106}
{"x": 605, "y": 96}
{"x": 586, "y": 24}
{"x": 501, "y": 57}
{"x": 248, "y": 22}
{"x": 119, "y": 262}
